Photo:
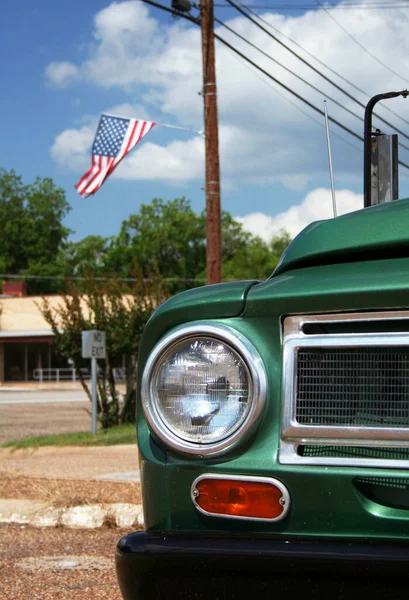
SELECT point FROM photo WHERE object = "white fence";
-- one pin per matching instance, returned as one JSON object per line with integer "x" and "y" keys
{"x": 58, "y": 375}
{"x": 69, "y": 374}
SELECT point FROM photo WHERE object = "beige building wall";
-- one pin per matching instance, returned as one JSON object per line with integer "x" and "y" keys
{"x": 24, "y": 314}
{"x": 20, "y": 314}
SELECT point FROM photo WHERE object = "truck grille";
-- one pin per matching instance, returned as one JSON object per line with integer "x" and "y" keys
{"x": 349, "y": 387}
{"x": 345, "y": 390}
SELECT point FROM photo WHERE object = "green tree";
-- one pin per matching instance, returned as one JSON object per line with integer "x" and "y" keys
{"x": 122, "y": 312}
{"x": 90, "y": 254}
{"x": 278, "y": 244}
{"x": 173, "y": 236}
{"x": 246, "y": 256}
{"x": 168, "y": 234}
{"x": 33, "y": 236}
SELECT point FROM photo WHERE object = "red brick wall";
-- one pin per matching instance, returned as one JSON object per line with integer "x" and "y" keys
{"x": 15, "y": 288}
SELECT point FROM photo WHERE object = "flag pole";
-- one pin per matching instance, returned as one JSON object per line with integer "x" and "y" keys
{"x": 181, "y": 128}
{"x": 161, "y": 124}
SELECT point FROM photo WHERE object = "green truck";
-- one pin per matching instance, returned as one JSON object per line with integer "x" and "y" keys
{"x": 273, "y": 426}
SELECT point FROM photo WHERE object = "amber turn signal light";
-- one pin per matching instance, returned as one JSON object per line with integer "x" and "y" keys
{"x": 252, "y": 498}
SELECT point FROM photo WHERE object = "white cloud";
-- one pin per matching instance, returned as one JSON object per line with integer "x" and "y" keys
{"x": 175, "y": 162}
{"x": 71, "y": 146}
{"x": 316, "y": 206}
{"x": 62, "y": 74}
{"x": 263, "y": 138}
{"x": 130, "y": 111}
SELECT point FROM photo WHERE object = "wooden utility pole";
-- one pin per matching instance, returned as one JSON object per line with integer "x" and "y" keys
{"x": 212, "y": 185}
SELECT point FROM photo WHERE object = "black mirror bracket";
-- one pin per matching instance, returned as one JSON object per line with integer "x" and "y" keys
{"x": 368, "y": 135}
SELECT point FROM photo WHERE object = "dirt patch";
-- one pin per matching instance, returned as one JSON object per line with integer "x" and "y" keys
{"x": 19, "y": 544}
{"x": 65, "y": 493}
{"x": 69, "y": 462}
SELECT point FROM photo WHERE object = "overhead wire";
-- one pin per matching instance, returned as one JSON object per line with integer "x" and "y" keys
{"x": 294, "y": 104}
{"x": 260, "y": 18}
{"x": 336, "y": 102}
{"x": 304, "y": 7}
{"x": 310, "y": 104}
{"x": 353, "y": 38}
{"x": 280, "y": 83}
{"x": 283, "y": 85}
{"x": 80, "y": 278}
{"x": 244, "y": 39}
{"x": 303, "y": 60}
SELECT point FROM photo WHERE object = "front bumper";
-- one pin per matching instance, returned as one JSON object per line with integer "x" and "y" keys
{"x": 235, "y": 567}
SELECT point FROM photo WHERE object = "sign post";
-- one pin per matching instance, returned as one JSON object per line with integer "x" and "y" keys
{"x": 93, "y": 347}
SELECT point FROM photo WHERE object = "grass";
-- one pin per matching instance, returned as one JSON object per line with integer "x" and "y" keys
{"x": 120, "y": 434}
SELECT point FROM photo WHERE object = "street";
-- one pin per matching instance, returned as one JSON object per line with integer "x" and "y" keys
{"x": 41, "y": 396}
{"x": 24, "y": 414}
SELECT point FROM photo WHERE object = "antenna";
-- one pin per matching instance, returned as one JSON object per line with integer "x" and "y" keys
{"x": 331, "y": 174}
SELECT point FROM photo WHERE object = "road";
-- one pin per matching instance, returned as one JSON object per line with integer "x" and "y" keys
{"x": 24, "y": 414}
{"x": 41, "y": 397}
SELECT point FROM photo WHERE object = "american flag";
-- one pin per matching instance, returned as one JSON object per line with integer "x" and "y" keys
{"x": 115, "y": 137}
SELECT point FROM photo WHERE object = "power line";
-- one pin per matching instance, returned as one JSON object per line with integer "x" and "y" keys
{"x": 221, "y": 40}
{"x": 267, "y": 74}
{"x": 338, "y": 87}
{"x": 369, "y": 2}
{"x": 321, "y": 112}
{"x": 358, "y": 42}
{"x": 78, "y": 278}
{"x": 193, "y": 20}
{"x": 296, "y": 75}
{"x": 309, "y": 7}
{"x": 288, "y": 69}
{"x": 257, "y": 16}
{"x": 301, "y": 110}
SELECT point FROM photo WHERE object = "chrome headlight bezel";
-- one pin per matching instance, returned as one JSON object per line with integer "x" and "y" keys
{"x": 258, "y": 385}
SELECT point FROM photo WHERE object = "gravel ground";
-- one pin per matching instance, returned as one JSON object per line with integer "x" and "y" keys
{"x": 25, "y": 420}
{"x": 23, "y": 577}
{"x": 60, "y": 563}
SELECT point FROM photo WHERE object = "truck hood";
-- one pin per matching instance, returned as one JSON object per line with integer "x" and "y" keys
{"x": 372, "y": 233}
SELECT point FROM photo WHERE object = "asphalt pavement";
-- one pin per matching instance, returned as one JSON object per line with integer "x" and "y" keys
{"x": 34, "y": 413}
{"x": 24, "y": 396}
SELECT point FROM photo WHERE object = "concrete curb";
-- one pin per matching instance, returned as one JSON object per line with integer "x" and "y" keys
{"x": 39, "y": 514}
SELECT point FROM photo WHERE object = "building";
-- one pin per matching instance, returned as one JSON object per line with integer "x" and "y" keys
{"x": 26, "y": 339}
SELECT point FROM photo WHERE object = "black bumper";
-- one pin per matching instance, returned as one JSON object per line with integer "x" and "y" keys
{"x": 196, "y": 567}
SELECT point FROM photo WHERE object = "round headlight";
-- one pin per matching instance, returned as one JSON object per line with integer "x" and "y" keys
{"x": 203, "y": 388}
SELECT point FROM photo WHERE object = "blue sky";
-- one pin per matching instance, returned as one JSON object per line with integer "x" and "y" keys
{"x": 65, "y": 63}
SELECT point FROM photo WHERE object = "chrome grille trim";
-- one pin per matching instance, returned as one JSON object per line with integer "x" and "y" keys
{"x": 289, "y": 456}
{"x": 294, "y": 325}
{"x": 295, "y": 428}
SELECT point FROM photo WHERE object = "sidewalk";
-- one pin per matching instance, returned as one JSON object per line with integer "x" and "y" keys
{"x": 114, "y": 464}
